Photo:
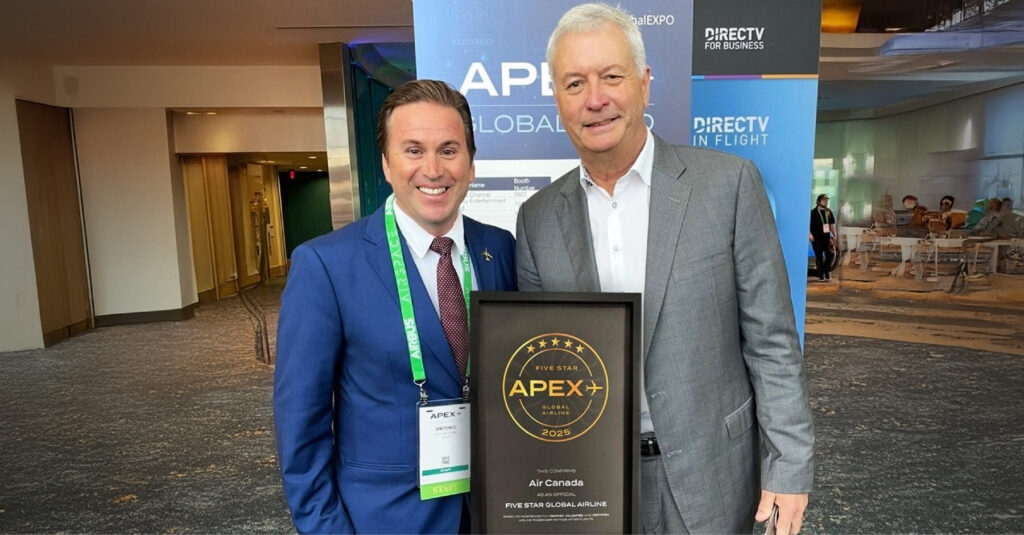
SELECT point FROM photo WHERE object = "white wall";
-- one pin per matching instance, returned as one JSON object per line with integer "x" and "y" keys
{"x": 187, "y": 87}
{"x": 186, "y": 268}
{"x": 969, "y": 148}
{"x": 20, "y": 326}
{"x": 30, "y": 81}
{"x": 133, "y": 197}
{"x": 129, "y": 204}
{"x": 296, "y": 130}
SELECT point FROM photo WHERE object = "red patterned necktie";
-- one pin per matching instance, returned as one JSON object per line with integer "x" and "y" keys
{"x": 451, "y": 303}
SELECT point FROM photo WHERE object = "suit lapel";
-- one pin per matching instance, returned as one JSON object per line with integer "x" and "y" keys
{"x": 483, "y": 264}
{"x": 432, "y": 338}
{"x": 574, "y": 220}
{"x": 669, "y": 196}
{"x": 377, "y": 254}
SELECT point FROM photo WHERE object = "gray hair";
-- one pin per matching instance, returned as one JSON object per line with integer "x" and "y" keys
{"x": 590, "y": 17}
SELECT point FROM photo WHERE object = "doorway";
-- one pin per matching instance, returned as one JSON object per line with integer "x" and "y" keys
{"x": 55, "y": 220}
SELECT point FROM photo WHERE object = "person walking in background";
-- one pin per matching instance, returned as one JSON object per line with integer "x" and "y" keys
{"x": 822, "y": 236}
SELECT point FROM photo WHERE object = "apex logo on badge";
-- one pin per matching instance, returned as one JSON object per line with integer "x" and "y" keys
{"x": 555, "y": 387}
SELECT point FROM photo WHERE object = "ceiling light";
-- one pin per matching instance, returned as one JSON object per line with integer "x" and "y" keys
{"x": 191, "y": 113}
{"x": 302, "y": 167}
{"x": 319, "y": 170}
{"x": 211, "y": 113}
{"x": 311, "y": 157}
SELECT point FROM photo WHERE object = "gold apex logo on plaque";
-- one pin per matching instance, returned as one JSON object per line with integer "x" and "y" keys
{"x": 555, "y": 387}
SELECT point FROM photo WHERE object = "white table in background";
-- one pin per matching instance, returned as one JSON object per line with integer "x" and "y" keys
{"x": 907, "y": 248}
{"x": 852, "y": 240}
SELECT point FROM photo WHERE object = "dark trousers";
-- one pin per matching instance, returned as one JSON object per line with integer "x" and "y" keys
{"x": 823, "y": 256}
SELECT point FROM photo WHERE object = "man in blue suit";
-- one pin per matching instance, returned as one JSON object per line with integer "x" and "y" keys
{"x": 345, "y": 402}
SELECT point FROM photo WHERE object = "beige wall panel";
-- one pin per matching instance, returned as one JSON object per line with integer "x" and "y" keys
{"x": 218, "y": 203}
{"x": 294, "y": 130}
{"x": 250, "y": 185}
{"x": 241, "y": 221}
{"x": 128, "y": 198}
{"x": 199, "y": 226}
{"x": 30, "y": 80}
{"x": 182, "y": 241}
{"x": 276, "y": 230}
{"x": 54, "y": 213}
{"x": 19, "y": 299}
{"x": 70, "y": 210}
{"x": 214, "y": 86}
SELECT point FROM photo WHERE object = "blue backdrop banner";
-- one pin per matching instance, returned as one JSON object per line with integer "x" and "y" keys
{"x": 494, "y": 53}
{"x": 754, "y": 93}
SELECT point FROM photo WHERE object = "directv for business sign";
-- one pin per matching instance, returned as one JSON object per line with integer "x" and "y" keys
{"x": 731, "y": 38}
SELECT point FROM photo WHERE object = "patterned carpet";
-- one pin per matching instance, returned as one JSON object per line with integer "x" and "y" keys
{"x": 157, "y": 428}
{"x": 167, "y": 428}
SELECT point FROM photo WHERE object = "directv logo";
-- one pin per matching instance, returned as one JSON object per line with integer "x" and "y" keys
{"x": 733, "y": 38}
{"x": 730, "y": 131}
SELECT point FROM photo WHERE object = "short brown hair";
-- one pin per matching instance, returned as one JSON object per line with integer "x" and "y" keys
{"x": 433, "y": 91}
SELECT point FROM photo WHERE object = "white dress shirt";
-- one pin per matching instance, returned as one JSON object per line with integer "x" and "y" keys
{"x": 618, "y": 228}
{"x": 419, "y": 241}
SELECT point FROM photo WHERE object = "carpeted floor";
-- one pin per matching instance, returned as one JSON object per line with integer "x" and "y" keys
{"x": 167, "y": 428}
{"x": 158, "y": 428}
{"x": 914, "y": 438}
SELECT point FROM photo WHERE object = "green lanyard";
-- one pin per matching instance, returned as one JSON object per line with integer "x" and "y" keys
{"x": 822, "y": 216}
{"x": 412, "y": 337}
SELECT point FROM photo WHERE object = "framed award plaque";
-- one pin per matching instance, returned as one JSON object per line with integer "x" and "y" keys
{"x": 556, "y": 412}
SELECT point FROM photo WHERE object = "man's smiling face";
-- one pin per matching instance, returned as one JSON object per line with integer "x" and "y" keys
{"x": 600, "y": 95}
{"x": 428, "y": 164}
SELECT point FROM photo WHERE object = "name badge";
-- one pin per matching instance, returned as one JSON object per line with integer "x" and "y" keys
{"x": 444, "y": 449}
{"x": 824, "y": 228}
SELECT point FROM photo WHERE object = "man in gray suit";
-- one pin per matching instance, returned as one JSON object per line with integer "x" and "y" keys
{"x": 693, "y": 231}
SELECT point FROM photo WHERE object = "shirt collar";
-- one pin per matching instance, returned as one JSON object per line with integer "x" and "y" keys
{"x": 419, "y": 239}
{"x": 643, "y": 165}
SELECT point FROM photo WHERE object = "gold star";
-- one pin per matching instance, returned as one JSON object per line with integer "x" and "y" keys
{"x": 568, "y": 343}
{"x": 542, "y": 343}
{"x": 529, "y": 348}
{"x": 579, "y": 349}
{"x": 554, "y": 341}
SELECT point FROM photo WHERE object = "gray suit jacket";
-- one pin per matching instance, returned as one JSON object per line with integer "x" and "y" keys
{"x": 720, "y": 342}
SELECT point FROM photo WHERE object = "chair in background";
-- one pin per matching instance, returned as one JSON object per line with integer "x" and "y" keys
{"x": 925, "y": 257}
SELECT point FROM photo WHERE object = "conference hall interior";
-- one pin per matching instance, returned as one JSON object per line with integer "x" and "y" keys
{"x": 160, "y": 161}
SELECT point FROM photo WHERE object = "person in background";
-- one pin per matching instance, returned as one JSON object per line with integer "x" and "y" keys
{"x": 990, "y": 221}
{"x": 946, "y": 210}
{"x": 942, "y": 220}
{"x": 1010, "y": 223}
{"x": 822, "y": 236}
{"x": 916, "y": 218}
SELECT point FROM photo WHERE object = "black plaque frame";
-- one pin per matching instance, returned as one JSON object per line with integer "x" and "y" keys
{"x": 489, "y": 363}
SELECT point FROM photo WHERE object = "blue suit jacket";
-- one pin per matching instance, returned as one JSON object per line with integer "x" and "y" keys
{"x": 344, "y": 400}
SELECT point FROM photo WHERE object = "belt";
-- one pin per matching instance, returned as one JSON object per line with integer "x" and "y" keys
{"x": 649, "y": 445}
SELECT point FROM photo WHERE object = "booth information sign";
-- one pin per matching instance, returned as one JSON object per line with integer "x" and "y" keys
{"x": 556, "y": 412}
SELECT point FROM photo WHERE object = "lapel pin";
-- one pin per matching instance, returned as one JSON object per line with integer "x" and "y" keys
{"x": 486, "y": 254}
